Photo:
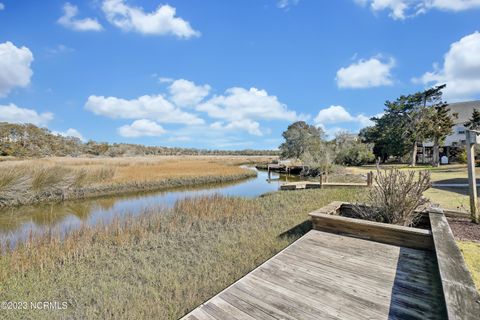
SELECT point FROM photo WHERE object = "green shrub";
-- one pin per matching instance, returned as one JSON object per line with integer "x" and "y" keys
{"x": 355, "y": 154}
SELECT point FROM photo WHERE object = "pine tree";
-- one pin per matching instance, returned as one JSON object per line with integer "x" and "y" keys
{"x": 441, "y": 121}
{"x": 474, "y": 122}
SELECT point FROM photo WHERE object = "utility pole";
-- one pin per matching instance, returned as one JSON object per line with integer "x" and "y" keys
{"x": 471, "y": 139}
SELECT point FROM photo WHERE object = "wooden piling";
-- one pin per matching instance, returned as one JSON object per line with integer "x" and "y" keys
{"x": 369, "y": 179}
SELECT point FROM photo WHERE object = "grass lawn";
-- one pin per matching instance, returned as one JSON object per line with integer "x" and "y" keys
{"x": 158, "y": 266}
{"x": 451, "y": 198}
{"x": 438, "y": 174}
{"x": 471, "y": 253}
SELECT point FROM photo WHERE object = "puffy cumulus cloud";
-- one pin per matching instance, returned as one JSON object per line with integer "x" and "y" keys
{"x": 240, "y": 108}
{"x": 71, "y": 132}
{"x": 460, "y": 70}
{"x": 162, "y": 21}
{"x": 13, "y": 114}
{"x": 239, "y": 103}
{"x": 141, "y": 128}
{"x": 186, "y": 93}
{"x": 237, "y": 111}
{"x": 69, "y": 20}
{"x": 15, "y": 68}
{"x": 153, "y": 107}
{"x": 373, "y": 72}
{"x": 335, "y": 115}
{"x": 402, "y": 9}
{"x": 250, "y": 126}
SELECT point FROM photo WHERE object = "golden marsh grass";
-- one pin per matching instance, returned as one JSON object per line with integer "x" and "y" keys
{"x": 156, "y": 266}
{"x": 54, "y": 179}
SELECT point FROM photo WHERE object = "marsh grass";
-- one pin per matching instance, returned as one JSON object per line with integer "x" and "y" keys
{"x": 158, "y": 265}
{"x": 56, "y": 179}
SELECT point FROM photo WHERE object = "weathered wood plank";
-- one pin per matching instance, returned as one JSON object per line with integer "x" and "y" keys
{"x": 230, "y": 310}
{"x": 381, "y": 232}
{"x": 315, "y": 279}
{"x": 461, "y": 297}
{"x": 199, "y": 314}
{"x": 237, "y": 298}
{"x": 325, "y": 291}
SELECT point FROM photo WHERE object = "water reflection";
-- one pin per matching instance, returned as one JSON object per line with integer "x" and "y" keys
{"x": 17, "y": 223}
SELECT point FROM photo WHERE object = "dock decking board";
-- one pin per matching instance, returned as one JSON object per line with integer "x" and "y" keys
{"x": 330, "y": 276}
{"x": 461, "y": 296}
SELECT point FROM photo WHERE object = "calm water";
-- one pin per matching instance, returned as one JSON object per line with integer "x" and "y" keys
{"x": 16, "y": 224}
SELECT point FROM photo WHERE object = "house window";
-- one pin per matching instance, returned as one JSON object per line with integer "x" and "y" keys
{"x": 461, "y": 131}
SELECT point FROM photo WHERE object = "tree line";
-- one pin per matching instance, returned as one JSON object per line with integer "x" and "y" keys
{"x": 308, "y": 144}
{"x": 410, "y": 120}
{"x": 405, "y": 123}
{"x": 28, "y": 140}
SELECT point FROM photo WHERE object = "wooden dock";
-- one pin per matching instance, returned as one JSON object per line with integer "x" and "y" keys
{"x": 329, "y": 276}
{"x": 353, "y": 269}
{"x": 317, "y": 185}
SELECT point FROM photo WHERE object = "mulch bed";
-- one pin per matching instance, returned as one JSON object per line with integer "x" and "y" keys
{"x": 465, "y": 230}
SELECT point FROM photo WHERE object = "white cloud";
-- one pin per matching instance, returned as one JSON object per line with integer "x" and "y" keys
{"x": 13, "y": 114}
{"x": 460, "y": 71}
{"x": 238, "y": 110}
{"x": 160, "y": 22}
{"x": 58, "y": 49}
{"x": 68, "y": 20}
{"x": 402, "y": 9}
{"x": 250, "y": 126}
{"x": 364, "y": 121}
{"x": 71, "y": 132}
{"x": 239, "y": 103}
{"x": 153, "y": 107}
{"x": 141, "y": 128}
{"x": 338, "y": 114}
{"x": 286, "y": 4}
{"x": 165, "y": 80}
{"x": 2, "y": 6}
{"x": 15, "y": 68}
{"x": 333, "y": 114}
{"x": 366, "y": 73}
{"x": 186, "y": 93}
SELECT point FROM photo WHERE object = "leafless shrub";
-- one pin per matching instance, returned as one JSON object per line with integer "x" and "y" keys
{"x": 394, "y": 197}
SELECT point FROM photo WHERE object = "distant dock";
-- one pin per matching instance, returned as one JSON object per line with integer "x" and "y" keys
{"x": 323, "y": 182}
{"x": 317, "y": 185}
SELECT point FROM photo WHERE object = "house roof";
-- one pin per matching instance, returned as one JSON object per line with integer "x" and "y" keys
{"x": 464, "y": 110}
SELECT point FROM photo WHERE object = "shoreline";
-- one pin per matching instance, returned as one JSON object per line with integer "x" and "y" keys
{"x": 125, "y": 189}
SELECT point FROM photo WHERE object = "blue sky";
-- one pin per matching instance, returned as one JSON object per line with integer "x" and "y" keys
{"x": 227, "y": 74}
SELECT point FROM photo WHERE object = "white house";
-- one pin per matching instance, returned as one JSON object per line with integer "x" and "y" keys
{"x": 456, "y": 140}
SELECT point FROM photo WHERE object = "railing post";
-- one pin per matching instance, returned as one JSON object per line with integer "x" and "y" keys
{"x": 472, "y": 181}
{"x": 321, "y": 180}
